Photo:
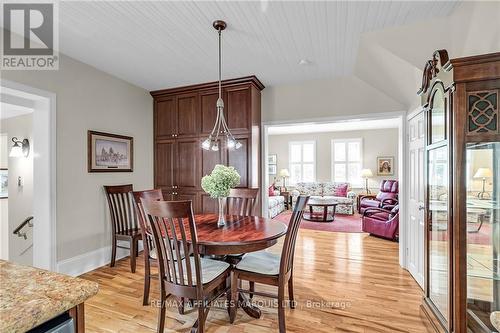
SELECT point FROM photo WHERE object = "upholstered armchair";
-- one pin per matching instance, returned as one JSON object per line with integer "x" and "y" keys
{"x": 382, "y": 222}
{"x": 387, "y": 197}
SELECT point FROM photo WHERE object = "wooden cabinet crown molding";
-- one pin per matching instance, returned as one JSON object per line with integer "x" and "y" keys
{"x": 252, "y": 79}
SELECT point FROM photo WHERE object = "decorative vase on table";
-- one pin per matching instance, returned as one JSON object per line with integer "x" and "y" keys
{"x": 218, "y": 184}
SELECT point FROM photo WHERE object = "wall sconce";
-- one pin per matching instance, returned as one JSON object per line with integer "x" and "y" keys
{"x": 20, "y": 148}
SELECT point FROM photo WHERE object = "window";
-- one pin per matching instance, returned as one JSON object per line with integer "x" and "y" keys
{"x": 347, "y": 161}
{"x": 302, "y": 161}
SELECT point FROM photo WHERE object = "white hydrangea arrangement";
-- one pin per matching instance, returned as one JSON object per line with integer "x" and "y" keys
{"x": 220, "y": 181}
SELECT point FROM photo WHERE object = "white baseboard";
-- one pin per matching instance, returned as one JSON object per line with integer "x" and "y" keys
{"x": 89, "y": 261}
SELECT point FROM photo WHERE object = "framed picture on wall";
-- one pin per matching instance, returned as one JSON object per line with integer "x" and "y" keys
{"x": 4, "y": 183}
{"x": 385, "y": 165}
{"x": 271, "y": 170}
{"x": 272, "y": 159}
{"x": 110, "y": 152}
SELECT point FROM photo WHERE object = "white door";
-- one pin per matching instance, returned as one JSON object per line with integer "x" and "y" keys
{"x": 415, "y": 236}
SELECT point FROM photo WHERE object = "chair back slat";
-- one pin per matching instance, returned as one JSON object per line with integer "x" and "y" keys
{"x": 121, "y": 208}
{"x": 291, "y": 235}
{"x": 242, "y": 201}
{"x": 168, "y": 220}
{"x": 147, "y": 235}
{"x": 184, "y": 243}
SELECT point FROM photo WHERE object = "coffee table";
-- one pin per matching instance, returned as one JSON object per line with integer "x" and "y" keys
{"x": 325, "y": 216}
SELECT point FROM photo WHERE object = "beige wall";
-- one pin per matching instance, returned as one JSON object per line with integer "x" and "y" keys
{"x": 20, "y": 201}
{"x": 4, "y": 203}
{"x": 383, "y": 142}
{"x": 91, "y": 99}
{"x": 344, "y": 96}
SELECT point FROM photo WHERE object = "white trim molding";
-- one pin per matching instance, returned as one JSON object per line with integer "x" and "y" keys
{"x": 89, "y": 261}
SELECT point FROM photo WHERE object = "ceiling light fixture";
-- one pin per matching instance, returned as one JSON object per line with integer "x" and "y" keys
{"x": 220, "y": 130}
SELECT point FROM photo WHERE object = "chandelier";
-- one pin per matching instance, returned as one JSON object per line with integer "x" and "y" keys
{"x": 220, "y": 133}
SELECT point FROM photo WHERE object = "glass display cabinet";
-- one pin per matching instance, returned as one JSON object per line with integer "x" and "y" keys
{"x": 462, "y": 200}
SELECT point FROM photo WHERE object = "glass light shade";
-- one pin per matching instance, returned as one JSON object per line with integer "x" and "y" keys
{"x": 231, "y": 143}
{"x": 238, "y": 145}
{"x": 16, "y": 151}
{"x": 215, "y": 147}
{"x": 366, "y": 173}
{"x": 284, "y": 173}
{"x": 206, "y": 144}
{"x": 483, "y": 173}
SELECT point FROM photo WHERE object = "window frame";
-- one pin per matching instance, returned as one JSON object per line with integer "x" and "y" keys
{"x": 347, "y": 161}
{"x": 290, "y": 163}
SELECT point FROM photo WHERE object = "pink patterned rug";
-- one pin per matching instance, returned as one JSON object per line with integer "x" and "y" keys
{"x": 342, "y": 223}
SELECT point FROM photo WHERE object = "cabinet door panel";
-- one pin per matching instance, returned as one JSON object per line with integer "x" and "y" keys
{"x": 167, "y": 195}
{"x": 238, "y": 108}
{"x": 208, "y": 101}
{"x": 208, "y": 205}
{"x": 188, "y": 159}
{"x": 187, "y": 115}
{"x": 182, "y": 194}
{"x": 166, "y": 118}
{"x": 239, "y": 159}
{"x": 165, "y": 164}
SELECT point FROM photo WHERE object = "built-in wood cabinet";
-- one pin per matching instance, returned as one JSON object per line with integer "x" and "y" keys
{"x": 177, "y": 116}
{"x": 460, "y": 98}
{"x": 183, "y": 118}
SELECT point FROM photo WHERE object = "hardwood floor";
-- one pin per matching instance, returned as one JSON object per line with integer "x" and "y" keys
{"x": 343, "y": 283}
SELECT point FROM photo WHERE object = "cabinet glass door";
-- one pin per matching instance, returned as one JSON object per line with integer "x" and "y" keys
{"x": 438, "y": 247}
{"x": 483, "y": 235}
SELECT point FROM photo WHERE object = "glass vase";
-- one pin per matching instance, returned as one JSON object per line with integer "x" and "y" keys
{"x": 221, "y": 222}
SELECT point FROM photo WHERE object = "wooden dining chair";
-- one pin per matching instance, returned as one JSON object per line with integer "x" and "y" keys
{"x": 270, "y": 269}
{"x": 149, "y": 252}
{"x": 242, "y": 201}
{"x": 199, "y": 279}
{"x": 124, "y": 225}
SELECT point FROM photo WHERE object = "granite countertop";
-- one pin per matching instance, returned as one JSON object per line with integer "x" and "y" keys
{"x": 30, "y": 296}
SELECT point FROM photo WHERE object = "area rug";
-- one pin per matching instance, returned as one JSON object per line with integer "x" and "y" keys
{"x": 342, "y": 223}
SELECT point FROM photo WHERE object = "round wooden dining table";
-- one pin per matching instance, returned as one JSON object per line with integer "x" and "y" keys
{"x": 239, "y": 235}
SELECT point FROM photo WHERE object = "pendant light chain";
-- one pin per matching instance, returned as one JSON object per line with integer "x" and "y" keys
{"x": 220, "y": 129}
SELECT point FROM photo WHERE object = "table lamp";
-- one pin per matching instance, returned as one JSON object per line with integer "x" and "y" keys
{"x": 284, "y": 174}
{"x": 483, "y": 173}
{"x": 366, "y": 173}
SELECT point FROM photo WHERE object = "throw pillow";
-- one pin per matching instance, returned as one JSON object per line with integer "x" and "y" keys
{"x": 271, "y": 190}
{"x": 341, "y": 190}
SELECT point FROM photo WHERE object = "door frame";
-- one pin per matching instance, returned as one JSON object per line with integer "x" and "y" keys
{"x": 402, "y": 162}
{"x": 44, "y": 171}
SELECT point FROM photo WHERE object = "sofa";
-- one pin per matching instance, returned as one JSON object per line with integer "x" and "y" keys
{"x": 276, "y": 204}
{"x": 328, "y": 190}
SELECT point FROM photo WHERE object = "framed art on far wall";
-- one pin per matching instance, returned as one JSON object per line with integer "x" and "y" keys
{"x": 109, "y": 152}
{"x": 385, "y": 165}
{"x": 271, "y": 170}
{"x": 4, "y": 183}
{"x": 272, "y": 159}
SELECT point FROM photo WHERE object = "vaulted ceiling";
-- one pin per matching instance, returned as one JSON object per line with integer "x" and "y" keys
{"x": 165, "y": 44}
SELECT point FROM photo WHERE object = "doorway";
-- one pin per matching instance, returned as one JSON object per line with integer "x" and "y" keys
{"x": 37, "y": 180}
{"x": 345, "y": 123}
